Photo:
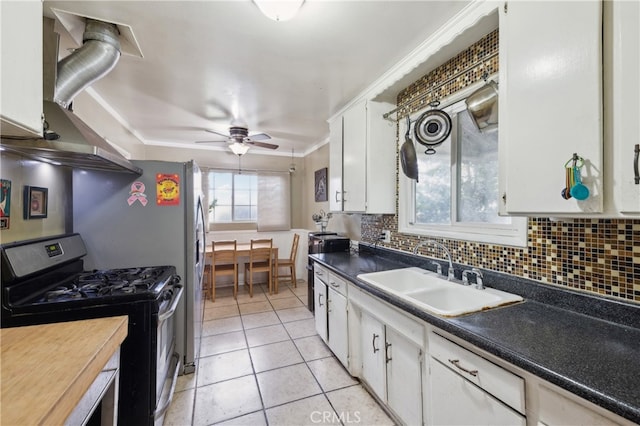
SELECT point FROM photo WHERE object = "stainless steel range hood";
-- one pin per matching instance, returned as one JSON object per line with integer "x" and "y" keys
{"x": 78, "y": 146}
{"x": 67, "y": 140}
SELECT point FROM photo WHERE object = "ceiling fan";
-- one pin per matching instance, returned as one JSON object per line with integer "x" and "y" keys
{"x": 239, "y": 140}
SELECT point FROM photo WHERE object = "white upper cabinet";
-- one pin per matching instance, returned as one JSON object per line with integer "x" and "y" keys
{"x": 335, "y": 164}
{"x": 354, "y": 155}
{"x": 622, "y": 105}
{"x": 21, "y": 75}
{"x": 362, "y": 160}
{"x": 550, "y": 104}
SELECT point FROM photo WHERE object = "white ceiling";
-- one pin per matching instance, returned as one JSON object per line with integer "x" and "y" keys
{"x": 207, "y": 63}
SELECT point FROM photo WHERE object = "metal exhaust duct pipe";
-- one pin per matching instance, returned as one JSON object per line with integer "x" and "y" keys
{"x": 98, "y": 55}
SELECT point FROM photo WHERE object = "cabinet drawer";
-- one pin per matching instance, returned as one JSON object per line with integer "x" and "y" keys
{"x": 321, "y": 272}
{"x": 494, "y": 379}
{"x": 338, "y": 284}
{"x": 556, "y": 409}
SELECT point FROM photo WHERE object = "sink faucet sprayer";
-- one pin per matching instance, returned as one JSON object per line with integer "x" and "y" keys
{"x": 450, "y": 274}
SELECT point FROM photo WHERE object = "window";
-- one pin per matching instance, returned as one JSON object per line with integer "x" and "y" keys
{"x": 233, "y": 197}
{"x": 456, "y": 195}
{"x": 259, "y": 200}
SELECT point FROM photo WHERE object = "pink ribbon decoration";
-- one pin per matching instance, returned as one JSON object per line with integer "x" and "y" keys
{"x": 137, "y": 194}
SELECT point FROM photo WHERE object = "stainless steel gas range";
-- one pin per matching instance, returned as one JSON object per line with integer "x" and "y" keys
{"x": 43, "y": 281}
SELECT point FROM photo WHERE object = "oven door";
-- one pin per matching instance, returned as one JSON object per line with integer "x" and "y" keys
{"x": 168, "y": 360}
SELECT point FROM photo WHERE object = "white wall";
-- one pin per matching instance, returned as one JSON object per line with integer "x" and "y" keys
{"x": 57, "y": 180}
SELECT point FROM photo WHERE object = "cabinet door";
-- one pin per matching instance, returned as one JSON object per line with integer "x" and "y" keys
{"x": 21, "y": 77}
{"x": 550, "y": 98}
{"x": 372, "y": 346}
{"x": 456, "y": 401}
{"x": 354, "y": 151}
{"x": 335, "y": 164}
{"x": 320, "y": 305}
{"x": 404, "y": 377}
{"x": 624, "y": 101}
{"x": 338, "y": 336}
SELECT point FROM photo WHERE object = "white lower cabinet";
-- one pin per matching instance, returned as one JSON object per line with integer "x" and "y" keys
{"x": 372, "y": 344}
{"x": 390, "y": 355}
{"x": 468, "y": 389}
{"x": 337, "y": 324}
{"x": 330, "y": 303}
{"x": 456, "y": 401}
{"x": 320, "y": 308}
{"x": 404, "y": 377}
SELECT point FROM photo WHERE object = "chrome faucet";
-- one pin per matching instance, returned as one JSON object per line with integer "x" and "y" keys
{"x": 450, "y": 274}
{"x": 465, "y": 279}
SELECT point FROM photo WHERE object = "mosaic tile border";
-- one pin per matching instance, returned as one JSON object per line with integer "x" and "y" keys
{"x": 600, "y": 256}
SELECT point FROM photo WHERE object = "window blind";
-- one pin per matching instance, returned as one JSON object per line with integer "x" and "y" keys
{"x": 274, "y": 201}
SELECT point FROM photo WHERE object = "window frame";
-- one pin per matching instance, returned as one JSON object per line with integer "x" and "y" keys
{"x": 233, "y": 221}
{"x": 512, "y": 234}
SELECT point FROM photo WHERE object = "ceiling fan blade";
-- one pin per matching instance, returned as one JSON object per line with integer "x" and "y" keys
{"x": 262, "y": 144}
{"x": 260, "y": 137}
{"x": 224, "y": 135}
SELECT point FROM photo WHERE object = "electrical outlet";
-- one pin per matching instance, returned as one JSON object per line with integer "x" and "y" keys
{"x": 386, "y": 236}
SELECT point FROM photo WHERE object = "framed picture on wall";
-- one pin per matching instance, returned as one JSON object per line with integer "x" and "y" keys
{"x": 321, "y": 185}
{"x": 5, "y": 203}
{"x": 36, "y": 202}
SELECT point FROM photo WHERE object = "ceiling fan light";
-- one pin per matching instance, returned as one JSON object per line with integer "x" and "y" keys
{"x": 279, "y": 10}
{"x": 239, "y": 148}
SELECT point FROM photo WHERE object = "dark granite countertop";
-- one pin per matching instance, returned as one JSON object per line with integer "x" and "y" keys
{"x": 585, "y": 344}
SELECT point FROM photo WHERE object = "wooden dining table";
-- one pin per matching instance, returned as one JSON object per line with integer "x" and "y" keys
{"x": 243, "y": 250}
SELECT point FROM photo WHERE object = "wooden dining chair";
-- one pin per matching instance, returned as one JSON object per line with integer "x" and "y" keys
{"x": 259, "y": 261}
{"x": 224, "y": 262}
{"x": 207, "y": 281}
{"x": 289, "y": 263}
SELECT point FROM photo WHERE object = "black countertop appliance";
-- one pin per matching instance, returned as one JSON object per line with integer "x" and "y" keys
{"x": 323, "y": 242}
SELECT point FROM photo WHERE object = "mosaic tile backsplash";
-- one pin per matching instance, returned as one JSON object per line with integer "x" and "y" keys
{"x": 593, "y": 255}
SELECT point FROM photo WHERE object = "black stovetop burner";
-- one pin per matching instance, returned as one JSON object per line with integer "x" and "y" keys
{"x": 86, "y": 288}
{"x": 110, "y": 282}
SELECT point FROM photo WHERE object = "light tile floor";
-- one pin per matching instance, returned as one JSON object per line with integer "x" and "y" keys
{"x": 262, "y": 363}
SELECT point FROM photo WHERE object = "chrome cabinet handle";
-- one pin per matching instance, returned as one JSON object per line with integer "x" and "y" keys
{"x": 337, "y": 201}
{"x": 373, "y": 342}
{"x": 387, "y": 358}
{"x": 320, "y": 299}
{"x": 333, "y": 284}
{"x": 456, "y": 362}
{"x": 636, "y": 172}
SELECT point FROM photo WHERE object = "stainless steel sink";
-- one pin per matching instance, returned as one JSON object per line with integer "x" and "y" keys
{"x": 433, "y": 293}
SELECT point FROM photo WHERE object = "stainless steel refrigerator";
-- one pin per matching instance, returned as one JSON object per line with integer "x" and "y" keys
{"x": 153, "y": 219}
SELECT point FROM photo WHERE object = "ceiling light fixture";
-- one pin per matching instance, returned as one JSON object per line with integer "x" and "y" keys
{"x": 239, "y": 148}
{"x": 279, "y": 10}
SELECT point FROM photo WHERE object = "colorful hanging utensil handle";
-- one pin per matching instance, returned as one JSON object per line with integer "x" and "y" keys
{"x": 578, "y": 190}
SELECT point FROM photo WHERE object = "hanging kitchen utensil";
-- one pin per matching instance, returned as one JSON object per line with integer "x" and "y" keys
{"x": 578, "y": 190}
{"x": 573, "y": 184}
{"x": 566, "y": 191}
{"x": 408, "y": 158}
{"x": 432, "y": 128}
{"x": 482, "y": 106}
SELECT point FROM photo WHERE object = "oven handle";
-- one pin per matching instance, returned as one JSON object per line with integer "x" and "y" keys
{"x": 172, "y": 309}
{"x": 176, "y": 364}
